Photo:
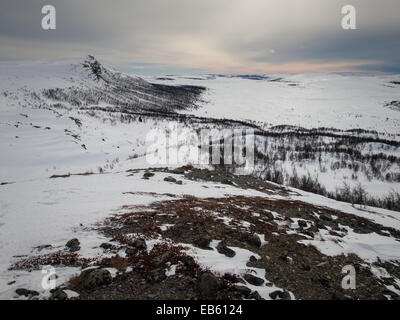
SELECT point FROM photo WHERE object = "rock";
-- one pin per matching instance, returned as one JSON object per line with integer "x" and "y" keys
{"x": 155, "y": 276}
{"x": 147, "y": 175}
{"x": 319, "y": 225}
{"x": 325, "y": 217}
{"x": 179, "y": 182}
{"x": 255, "y": 263}
{"x": 59, "y": 294}
{"x": 26, "y": 292}
{"x": 302, "y": 224}
{"x": 226, "y": 181}
{"x": 278, "y": 294}
{"x": 223, "y": 249}
{"x": 254, "y": 240}
{"x": 244, "y": 291}
{"x": 209, "y": 285}
{"x": 253, "y": 259}
{"x": 170, "y": 179}
{"x": 73, "y": 245}
{"x": 188, "y": 261}
{"x": 130, "y": 251}
{"x": 178, "y": 171}
{"x": 203, "y": 242}
{"x": 256, "y": 281}
{"x": 95, "y": 277}
{"x": 255, "y": 295}
{"x": 308, "y": 233}
{"x": 106, "y": 246}
{"x": 160, "y": 260}
{"x": 139, "y": 244}
{"x": 334, "y": 233}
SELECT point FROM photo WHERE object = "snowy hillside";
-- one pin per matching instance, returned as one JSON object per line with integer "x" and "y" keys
{"x": 77, "y": 191}
{"x": 338, "y": 131}
{"x": 340, "y": 101}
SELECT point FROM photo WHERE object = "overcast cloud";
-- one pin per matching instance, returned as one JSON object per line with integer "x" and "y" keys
{"x": 215, "y": 36}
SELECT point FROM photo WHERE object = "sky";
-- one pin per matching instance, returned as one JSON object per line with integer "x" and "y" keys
{"x": 208, "y": 36}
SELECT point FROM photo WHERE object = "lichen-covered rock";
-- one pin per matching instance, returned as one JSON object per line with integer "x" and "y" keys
{"x": 170, "y": 179}
{"x": 203, "y": 242}
{"x": 254, "y": 240}
{"x": 26, "y": 292}
{"x": 73, "y": 245}
{"x": 139, "y": 244}
{"x": 223, "y": 249}
{"x": 255, "y": 281}
{"x": 278, "y": 294}
{"x": 95, "y": 277}
{"x": 209, "y": 285}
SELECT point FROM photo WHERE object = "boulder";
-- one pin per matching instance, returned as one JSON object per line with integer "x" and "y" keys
{"x": 95, "y": 277}
{"x": 209, "y": 285}
{"x": 106, "y": 246}
{"x": 58, "y": 294}
{"x": 255, "y": 281}
{"x": 73, "y": 245}
{"x": 242, "y": 290}
{"x": 155, "y": 276}
{"x": 278, "y": 294}
{"x": 254, "y": 240}
{"x": 223, "y": 249}
{"x": 255, "y": 295}
{"x": 170, "y": 179}
{"x": 147, "y": 175}
{"x": 26, "y": 292}
{"x": 139, "y": 244}
{"x": 188, "y": 261}
{"x": 203, "y": 242}
{"x": 302, "y": 224}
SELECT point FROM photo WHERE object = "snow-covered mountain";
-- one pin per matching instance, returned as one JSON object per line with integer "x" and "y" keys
{"x": 73, "y": 141}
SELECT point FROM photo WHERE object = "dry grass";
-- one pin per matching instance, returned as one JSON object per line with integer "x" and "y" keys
{"x": 59, "y": 258}
{"x": 116, "y": 262}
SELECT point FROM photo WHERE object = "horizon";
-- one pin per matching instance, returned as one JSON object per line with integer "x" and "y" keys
{"x": 153, "y": 72}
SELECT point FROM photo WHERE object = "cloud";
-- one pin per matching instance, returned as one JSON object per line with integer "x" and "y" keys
{"x": 216, "y": 36}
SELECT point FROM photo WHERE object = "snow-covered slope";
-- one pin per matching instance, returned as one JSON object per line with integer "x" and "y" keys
{"x": 73, "y": 137}
{"x": 318, "y": 106}
{"x": 61, "y": 116}
{"x": 341, "y": 101}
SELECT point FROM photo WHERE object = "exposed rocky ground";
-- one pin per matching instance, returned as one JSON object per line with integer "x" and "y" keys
{"x": 150, "y": 248}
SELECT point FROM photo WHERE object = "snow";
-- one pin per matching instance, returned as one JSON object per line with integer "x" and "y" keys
{"x": 342, "y": 101}
{"x": 221, "y": 264}
{"x": 52, "y": 211}
{"x": 368, "y": 246}
{"x": 36, "y": 210}
{"x": 380, "y": 216}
